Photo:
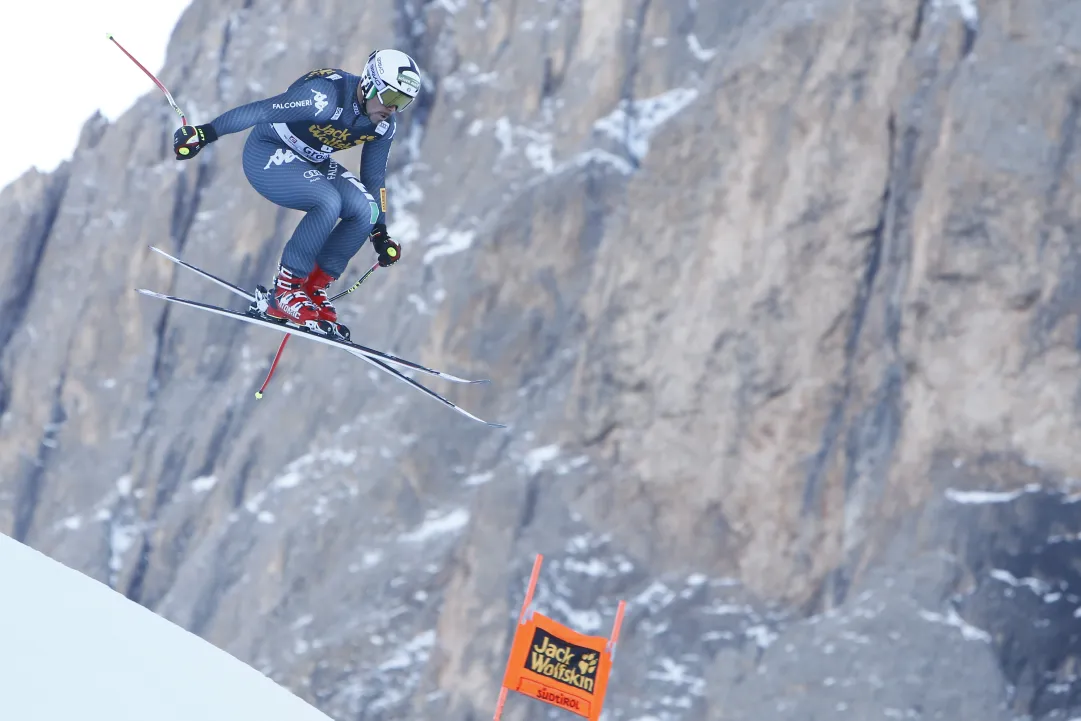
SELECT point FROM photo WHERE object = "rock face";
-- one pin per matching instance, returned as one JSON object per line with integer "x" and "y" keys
{"x": 779, "y": 300}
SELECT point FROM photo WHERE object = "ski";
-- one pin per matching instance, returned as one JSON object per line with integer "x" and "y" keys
{"x": 209, "y": 276}
{"x": 369, "y": 355}
{"x": 354, "y": 348}
{"x": 329, "y": 341}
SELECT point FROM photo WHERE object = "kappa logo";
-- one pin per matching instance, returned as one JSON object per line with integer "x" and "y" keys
{"x": 320, "y": 101}
{"x": 280, "y": 156}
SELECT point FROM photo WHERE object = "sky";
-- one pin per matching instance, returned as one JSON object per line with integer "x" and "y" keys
{"x": 67, "y": 42}
{"x": 73, "y": 649}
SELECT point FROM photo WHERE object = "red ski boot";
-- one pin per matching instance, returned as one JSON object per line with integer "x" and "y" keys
{"x": 289, "y": 302}
{"x": 316, "y": 285}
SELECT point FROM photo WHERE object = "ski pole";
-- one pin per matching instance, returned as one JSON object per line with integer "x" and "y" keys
{"x": 278, "y": 355}
{"x": 168, "y": 95}
{"x": 273, "y": 365}
{"x": 357, "y": 284}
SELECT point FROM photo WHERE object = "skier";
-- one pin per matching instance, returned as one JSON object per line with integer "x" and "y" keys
{"x": 287, "y": 159}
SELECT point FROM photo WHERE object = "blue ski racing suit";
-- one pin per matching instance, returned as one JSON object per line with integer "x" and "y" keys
{"x": 288, "y": 160}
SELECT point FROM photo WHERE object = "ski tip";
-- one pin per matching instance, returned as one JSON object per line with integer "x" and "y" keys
{"x": 456, "y": 379}
{"x": 159, "y": 251}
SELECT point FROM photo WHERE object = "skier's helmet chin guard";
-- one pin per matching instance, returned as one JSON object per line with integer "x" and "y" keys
{"x": 393, "y": 77}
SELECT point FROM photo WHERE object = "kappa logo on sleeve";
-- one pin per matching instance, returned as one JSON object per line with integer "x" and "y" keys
{"x": 320, "y": 101}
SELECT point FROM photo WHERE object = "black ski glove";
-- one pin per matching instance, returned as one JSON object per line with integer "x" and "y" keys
{"x": 388, "y": 250}
{"x": 188, "y": 140}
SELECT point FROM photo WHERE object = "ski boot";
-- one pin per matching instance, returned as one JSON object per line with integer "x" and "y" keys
{"x": 288, "y": 303}
{"x": 316, "y": 285}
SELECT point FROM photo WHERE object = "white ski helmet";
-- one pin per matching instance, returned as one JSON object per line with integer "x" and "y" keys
{"x": 393, "y": 76}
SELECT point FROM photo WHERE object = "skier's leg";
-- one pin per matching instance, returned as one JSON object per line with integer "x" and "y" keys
{"x": 358, "y": 212}
{"x": 284, "y": 179}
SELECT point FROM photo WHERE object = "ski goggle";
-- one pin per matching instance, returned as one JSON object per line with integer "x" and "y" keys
{"x": 392, "y": 96}
{"x": 389, "y": 96}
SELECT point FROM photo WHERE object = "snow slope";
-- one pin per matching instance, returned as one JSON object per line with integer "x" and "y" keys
{"x": 72, "y": 648}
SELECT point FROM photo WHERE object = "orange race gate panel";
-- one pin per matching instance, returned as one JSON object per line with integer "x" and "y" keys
{"x": 556, "y": 664}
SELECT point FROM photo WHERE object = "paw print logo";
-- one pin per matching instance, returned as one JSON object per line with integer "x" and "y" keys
{"x": 588, "y": 664}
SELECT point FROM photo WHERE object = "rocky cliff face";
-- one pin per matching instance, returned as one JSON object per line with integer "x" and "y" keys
{"x": 779, "y": 299}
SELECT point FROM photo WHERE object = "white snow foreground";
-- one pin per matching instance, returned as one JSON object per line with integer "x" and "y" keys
{"x": 72, "y": 648}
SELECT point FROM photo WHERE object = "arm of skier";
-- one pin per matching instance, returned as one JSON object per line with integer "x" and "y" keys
{"x": 306, "y": 101}
{"x": 373, "y": 173}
